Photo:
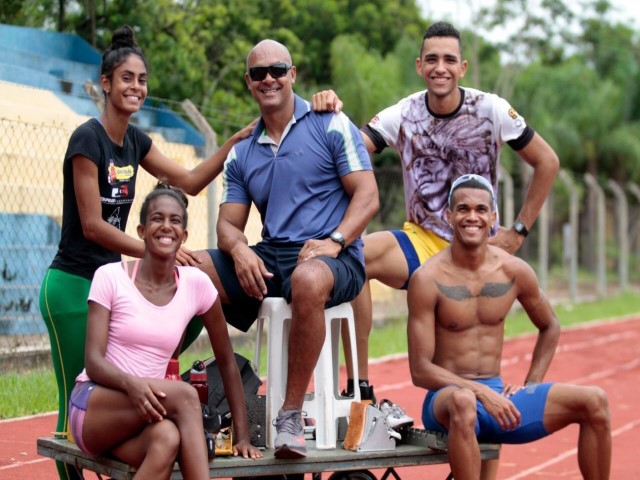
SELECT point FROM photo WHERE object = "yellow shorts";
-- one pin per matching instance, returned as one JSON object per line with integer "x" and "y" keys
{"x": 418, "y": 244}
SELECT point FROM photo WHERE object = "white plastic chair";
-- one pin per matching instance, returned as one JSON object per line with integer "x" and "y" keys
{"x": 324, "y": 405}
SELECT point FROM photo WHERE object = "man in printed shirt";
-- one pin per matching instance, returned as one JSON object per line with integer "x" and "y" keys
{"x": 440, "y": 133}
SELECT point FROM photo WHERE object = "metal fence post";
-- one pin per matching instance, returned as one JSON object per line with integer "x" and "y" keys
{"x": 543, "y": 245}
{"x": 622, "y": 215}
{"x": 600, "y": 233}
{"x": 565, "y": 177}
{"x": 211, "y": 145}
{"x": 506, "y": 213}
{"x": 634, "y": 189}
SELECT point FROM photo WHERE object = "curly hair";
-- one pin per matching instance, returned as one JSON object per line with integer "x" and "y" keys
{"x": 441, "y": 29}
{"x": 163, "y": 188}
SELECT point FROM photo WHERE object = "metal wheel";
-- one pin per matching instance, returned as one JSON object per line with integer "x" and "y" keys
{"x": 289, "y": 476}
{"x": 354, "y": 475}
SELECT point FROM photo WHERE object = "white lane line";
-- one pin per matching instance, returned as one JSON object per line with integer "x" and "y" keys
{"x": 606, "y": 373}
{"x": 586, "y": 379}
{"x": 568, "y": 453}
{"x": 23, "y": 464}
{"x": 29, "y": 417}
{"x": 575, "y": 346}
{"x": 394, "y": 386}
{"x": 564, "y": 348}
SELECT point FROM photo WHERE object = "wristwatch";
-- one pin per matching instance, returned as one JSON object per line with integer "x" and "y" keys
{"x": 338, "y": 238}
{"x": 520, "y": 228}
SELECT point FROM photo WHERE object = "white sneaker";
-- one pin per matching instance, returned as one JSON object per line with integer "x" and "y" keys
{"x": 396, "y": 417}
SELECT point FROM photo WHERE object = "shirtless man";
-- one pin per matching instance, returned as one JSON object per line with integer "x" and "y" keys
{"x": 458, "y": 301}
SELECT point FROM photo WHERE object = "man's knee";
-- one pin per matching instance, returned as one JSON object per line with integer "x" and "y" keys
{"x": 597, "y": 406}
{"x": 462, "y": 409}
{"x": 312, "y": 283}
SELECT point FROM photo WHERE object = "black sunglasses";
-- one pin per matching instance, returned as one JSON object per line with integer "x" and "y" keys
{"x": 277, "y": 70}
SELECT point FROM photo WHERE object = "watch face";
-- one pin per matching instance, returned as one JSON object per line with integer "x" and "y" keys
{"x": 338, "y": 238}
{"x": 519, "y": 227}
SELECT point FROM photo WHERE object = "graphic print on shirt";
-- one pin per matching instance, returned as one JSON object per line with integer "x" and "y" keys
{"x": 116, "y": 174}
{"x": 118, "y": 178}
{"x": 111, "y": 173}
{"x": 114, "y": 218}
{"x": 442, "y": 149}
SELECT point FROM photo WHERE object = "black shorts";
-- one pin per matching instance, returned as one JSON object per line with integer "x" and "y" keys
{"x": 281, "y": 260}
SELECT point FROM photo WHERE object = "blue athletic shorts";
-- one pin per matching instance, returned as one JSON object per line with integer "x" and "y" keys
{"x": 281, "y": 260}
{"x": 417, "y": 244}
{"x": 530, "y": 402}
{"x": 77, "y": 411}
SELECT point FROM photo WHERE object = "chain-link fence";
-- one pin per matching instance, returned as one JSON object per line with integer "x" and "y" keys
{"x": 31, "y": 156}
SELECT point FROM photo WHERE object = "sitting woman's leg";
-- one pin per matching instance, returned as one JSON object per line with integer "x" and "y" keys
{"x": 131, "y": 440}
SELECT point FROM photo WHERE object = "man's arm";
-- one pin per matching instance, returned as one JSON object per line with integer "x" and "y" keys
{"x": 421, "y": 332}
{"x": 368, "y": 143}
{"x": 250, "y": 269}
{"x": 545, "y": 165}
{"x": 362, "y": 188}
{"x": 539, "y": 310}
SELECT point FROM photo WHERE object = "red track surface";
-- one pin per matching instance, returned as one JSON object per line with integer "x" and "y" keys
{"x": 605, "y": 354}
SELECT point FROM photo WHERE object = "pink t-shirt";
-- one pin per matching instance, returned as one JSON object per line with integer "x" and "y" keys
{"x": 142, "y": 336}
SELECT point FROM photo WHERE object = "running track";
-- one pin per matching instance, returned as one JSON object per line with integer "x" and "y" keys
{"x": 602, "y": 353}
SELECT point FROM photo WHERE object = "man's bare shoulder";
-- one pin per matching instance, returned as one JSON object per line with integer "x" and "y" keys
{"x": 509, "y": 262}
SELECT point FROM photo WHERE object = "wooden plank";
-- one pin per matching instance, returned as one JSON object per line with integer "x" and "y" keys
{"x": 67, "y": 452}
{"x": 317, "y": 461}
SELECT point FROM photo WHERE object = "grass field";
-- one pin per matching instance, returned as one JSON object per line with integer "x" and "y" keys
{"x": 34, "y": 392}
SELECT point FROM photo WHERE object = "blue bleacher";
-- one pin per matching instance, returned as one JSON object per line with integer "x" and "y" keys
{"x": 62, "y": 62}
{"x": 28, "y": 243}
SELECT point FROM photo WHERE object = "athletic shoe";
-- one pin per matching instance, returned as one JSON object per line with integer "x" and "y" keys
{"x": 395, "y": 415}
{"x": 289, "y": 442}
{"x": 366, "y": 393}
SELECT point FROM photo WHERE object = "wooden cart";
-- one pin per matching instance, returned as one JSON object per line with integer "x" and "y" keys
{"x": 419, "y": 448}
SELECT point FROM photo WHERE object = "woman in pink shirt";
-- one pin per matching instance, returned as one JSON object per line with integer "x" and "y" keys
{"x": 138, "y": 311}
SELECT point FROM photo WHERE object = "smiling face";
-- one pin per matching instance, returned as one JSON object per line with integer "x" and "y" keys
{"x": 127, "y": 84}
{"x": 471, "y": 215}
{"x": 272, "y": 94}
{"x": 441, "y": 66}
{"x": 164, "y": 228}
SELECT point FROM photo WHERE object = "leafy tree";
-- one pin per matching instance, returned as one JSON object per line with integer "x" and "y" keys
{"x": 574, "y": 75}
{"x": 29, "y": 13}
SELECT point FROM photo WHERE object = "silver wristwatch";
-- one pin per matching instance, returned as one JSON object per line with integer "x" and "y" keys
{"x": 338, "y": 238}
{"x": 520, "y": 228}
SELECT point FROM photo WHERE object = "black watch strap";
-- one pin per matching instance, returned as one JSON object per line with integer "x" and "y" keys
{"x": 520, "y": 228}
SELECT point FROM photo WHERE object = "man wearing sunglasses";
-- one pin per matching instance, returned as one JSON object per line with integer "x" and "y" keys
{"x": 310, "y": 177}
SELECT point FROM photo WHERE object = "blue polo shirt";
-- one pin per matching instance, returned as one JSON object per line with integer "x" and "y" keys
{"x": 296, "y": 185}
